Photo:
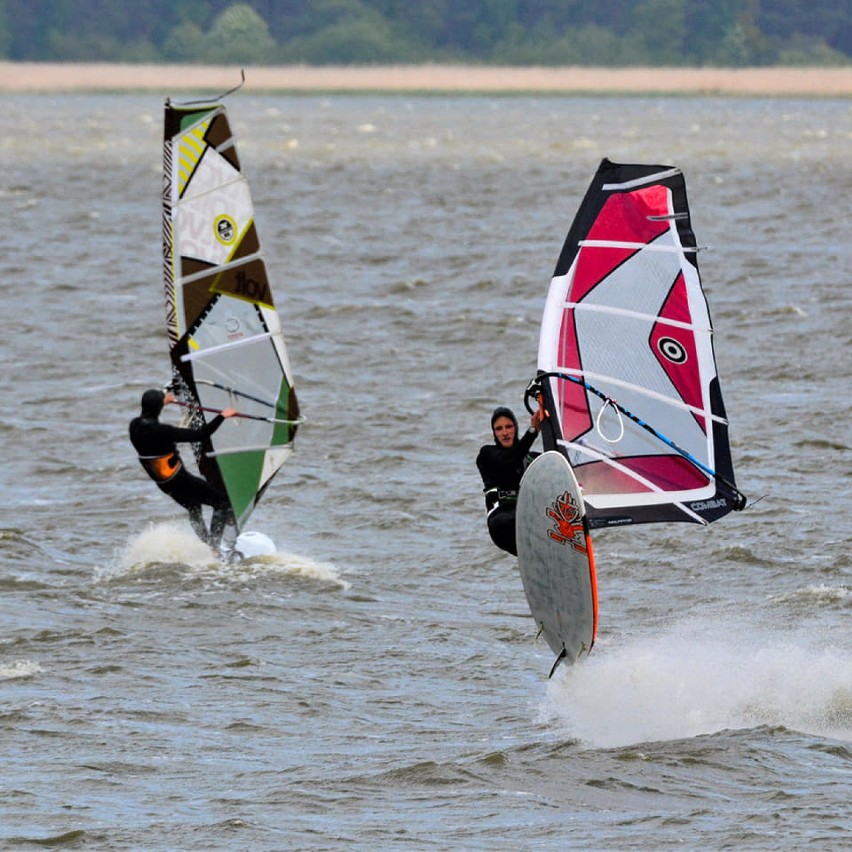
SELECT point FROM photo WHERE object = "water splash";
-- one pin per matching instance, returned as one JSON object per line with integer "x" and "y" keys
{"x": 175, "y": 544}
{"x": 701, "y": 677}
{"x": 170, "y": 543}
{"x": 19, "y": 669}
{"x": 292, "y": 563}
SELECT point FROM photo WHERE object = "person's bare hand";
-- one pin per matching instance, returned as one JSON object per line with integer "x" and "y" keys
{"x": 535, "y": 420}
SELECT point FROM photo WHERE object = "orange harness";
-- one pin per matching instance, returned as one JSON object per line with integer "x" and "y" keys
{"x": 162, "y": 468}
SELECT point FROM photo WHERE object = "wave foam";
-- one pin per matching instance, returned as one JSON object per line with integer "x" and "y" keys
{"x": 688, "y": 681}
{"x": 19, "y": 669}
{"x": 175, "y": 544}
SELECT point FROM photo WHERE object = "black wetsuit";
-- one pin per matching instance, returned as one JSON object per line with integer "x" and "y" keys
{"x": 501, "y": 469}
{"x": 155, "y": 444}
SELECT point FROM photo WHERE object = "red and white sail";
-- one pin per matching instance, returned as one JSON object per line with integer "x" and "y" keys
{"x": 626, "y": 353}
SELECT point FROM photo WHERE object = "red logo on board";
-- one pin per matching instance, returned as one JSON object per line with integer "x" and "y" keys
{"x": 568, "y": 523}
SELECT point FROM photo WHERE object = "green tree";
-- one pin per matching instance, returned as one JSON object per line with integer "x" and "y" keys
{"x": 751, "y": 41}
{"x": 660, "y": 26}
{"x": 709, "y": 23}
{"x": 239, "y": 35}
{"x": 67, "y": 47}
{"x": 531, "y": 31}
{"x": 349, "y": 31}
{"x": 185, "y": 43}
{"x": 347, "y": 42}
{"x": 5, "y": 33}
{"x": 595, "y": 45}
{"x": 809, "y": 50}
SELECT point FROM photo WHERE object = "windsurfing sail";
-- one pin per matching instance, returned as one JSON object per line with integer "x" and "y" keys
{"x": 626, "y": 363}
{"x": 225, "y": 339}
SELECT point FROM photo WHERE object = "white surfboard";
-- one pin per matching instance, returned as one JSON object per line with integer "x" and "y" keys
{"x": 555, "y": 557}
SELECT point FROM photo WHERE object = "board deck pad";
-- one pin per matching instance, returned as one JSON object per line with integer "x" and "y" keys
{"x": 555, "y": 556}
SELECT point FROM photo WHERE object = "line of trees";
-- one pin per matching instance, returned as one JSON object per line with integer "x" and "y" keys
{"x": 506, "y": 32}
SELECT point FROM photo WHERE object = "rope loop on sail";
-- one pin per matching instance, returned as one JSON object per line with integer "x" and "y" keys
{"x": 738, "y": 499}
{"x": 610, "y": 403}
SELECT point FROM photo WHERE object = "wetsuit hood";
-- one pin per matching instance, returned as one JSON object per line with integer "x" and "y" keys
{"x": 152, "y": 402}
{"x": 502, "y": 411}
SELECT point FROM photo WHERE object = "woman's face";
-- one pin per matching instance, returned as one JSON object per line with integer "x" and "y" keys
{"x": 504, "y": 431}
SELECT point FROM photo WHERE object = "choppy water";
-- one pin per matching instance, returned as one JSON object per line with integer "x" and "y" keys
{"x": 378, "y": 684}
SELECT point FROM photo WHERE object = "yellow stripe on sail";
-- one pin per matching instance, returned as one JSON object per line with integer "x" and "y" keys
{"x": 190, "y": 148}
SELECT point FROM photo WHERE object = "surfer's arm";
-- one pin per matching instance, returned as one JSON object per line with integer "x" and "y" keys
{"x": 526, "y": 440}
{"x": 537, "y": 417}
{"x": 492, "y": 497}
{"x": 183, "y": 435}
{"x": 489, "y": 488}
{"x": 209, "y": 428}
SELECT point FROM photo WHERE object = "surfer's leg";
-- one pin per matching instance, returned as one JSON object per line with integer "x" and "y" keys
{"x": 192, "y": 493}
{"x": 222, "y": 516}
{"x": 501, "y": 527}
{"x": 183, "y": 490}
{"x": 196, "y": 520}
{"x": 220, "y": 519}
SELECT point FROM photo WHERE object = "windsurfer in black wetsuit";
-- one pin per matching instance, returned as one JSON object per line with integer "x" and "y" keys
{"x": 155, "y": 444}
{"x": 501, "y": 466}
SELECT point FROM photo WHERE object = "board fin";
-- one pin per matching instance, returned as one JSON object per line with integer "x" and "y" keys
{"x": 562, "y": 655}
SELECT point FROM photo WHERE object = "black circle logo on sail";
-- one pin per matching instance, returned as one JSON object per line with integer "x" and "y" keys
{"x": 672, "y": 350}
{"x": 225, "y": 229}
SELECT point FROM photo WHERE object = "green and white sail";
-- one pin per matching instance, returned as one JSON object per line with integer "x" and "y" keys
{"x": 225, "y": 339}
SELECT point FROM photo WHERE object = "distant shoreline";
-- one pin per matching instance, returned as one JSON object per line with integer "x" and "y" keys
{"x": 57, "y": 78}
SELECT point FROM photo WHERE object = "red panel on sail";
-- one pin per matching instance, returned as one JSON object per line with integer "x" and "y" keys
{"x": 674, "y": 348}
{"x": 573, "y": 404}
{"x": 671, "y": 473}
{"x": 623, "y": 218}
